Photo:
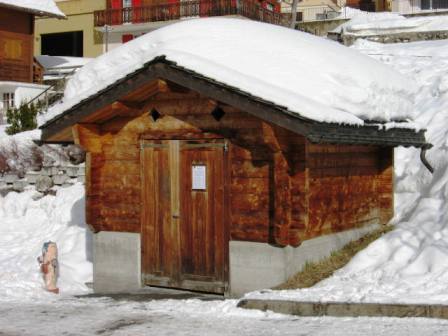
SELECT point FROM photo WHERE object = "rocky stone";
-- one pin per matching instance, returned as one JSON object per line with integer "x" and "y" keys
{"x": 50, "y": 171}
{"x": 37, "y": 196}
{"x": 60, "y": 179}
{"x": 72, "y": 171}
{"x": 10, "y": 178}
{"x": 76, "y": 154}
{"x": 44, "y": 184}
{"x": 31, "y": 177}
{"x": 19, "y": 185}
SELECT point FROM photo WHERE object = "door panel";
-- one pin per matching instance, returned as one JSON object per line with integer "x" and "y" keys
{"x": 157, "y": 233}
{"x": 183, "y": 235}
{"x": 202, "y": 216}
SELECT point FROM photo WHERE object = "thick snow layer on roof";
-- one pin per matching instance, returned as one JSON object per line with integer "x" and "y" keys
{"x": 371, "y": 23}
{"x": 43, "y": 7}
{"x": 310, "y": 76}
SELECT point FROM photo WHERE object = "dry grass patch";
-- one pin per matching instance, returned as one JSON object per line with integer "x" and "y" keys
{"x": 313, "y": 272}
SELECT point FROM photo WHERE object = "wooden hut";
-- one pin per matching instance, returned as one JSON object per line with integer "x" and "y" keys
{"x": 192, "y": 183}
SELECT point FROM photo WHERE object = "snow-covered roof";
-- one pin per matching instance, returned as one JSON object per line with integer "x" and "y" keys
{"x": 59, "y": 67}
{"x": 55, "y": 62}
{"x": 310, "y": 76}
{"x": 38, "y": 7}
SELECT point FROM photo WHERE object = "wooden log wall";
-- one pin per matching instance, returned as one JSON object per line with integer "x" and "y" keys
{"x": 112, "y": 180}
{"x": 349, "y": 186}
{"x": 16, "y": 46}
{"x": 282, "y": 189}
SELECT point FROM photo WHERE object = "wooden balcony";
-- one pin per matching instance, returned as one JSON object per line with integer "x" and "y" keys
{"x": 188, "y": 9}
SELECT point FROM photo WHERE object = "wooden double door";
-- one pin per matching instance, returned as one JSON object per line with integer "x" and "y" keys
{"x": 184, "y": 238}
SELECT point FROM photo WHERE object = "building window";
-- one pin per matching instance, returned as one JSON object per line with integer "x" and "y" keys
{"x": 426, "y": 4}
{"x": 63, "y": 44}
{"x": 440, "y": 4}
{"x": 8, "y": 101}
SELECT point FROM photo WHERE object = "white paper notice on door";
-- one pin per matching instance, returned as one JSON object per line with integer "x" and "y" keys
{"x": 199, "y": 177}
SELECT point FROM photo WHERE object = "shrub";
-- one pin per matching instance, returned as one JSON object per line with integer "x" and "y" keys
{"x": 21, "y": 119}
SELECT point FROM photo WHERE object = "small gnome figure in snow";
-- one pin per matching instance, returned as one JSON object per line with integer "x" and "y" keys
{"x": 49, "y": 266}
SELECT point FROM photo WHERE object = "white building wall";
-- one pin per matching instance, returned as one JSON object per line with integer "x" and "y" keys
{"x": 406, "y": 6}
{"x": 23, "y": 92}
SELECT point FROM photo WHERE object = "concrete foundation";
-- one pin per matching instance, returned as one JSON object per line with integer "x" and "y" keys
{"x": 256, "y": 266}
{"x": 116, "y": 262}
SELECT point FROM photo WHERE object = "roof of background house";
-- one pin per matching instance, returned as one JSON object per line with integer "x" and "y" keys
{"x": 37, "y": 7}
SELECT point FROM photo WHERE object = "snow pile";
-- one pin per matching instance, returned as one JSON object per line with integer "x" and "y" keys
{"x": 18, "y": 150}
{"x": 360, "y": 15}
{"x": 378, "y": 23}
{"x": 22, "y": 154}
{"x": 42, "y": 7}
{"x": 409, "y": 264}
{"x": 312, "y": 77}
{"x": 26, "y": 224}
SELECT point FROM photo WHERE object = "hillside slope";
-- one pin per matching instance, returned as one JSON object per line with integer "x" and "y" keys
{"x": 409, "y": 264}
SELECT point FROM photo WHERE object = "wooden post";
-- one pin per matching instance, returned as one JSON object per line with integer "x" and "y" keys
{"x": 294, "y": 13}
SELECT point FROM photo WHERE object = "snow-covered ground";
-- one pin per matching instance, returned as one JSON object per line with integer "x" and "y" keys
{"x": 29, "y": 219}
{"x": 27, "y": 310}
{"x": 409, "y": 264}
{"x": 106, "y": 317}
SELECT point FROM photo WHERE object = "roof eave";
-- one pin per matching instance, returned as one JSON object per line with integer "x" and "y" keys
{"x": 316, "y": 132}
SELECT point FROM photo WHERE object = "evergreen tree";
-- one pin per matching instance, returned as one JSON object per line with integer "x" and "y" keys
{"x": 21, "y": 119}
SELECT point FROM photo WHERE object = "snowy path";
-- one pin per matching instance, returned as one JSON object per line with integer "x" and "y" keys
{"x": 191, "y": 317}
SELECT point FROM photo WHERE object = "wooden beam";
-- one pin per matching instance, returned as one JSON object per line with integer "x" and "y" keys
{"x": 87, "y": 136}
{"x": 182, "y": 106}
{"x": 100, "y": 100}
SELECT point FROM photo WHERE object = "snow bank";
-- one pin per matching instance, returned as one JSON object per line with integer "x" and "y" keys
{"x": 378, "y": 23}
{"x": 25, "y": 225}
{"x": 18, "y": 149}
{"x": 409, "y": 264}
{"x": 23, "y": 154}
{"x": 43, "y": 7}
{"x": 313, "y": 77}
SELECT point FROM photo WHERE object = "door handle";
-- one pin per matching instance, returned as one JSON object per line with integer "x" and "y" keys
{"x": 175, "y": 215}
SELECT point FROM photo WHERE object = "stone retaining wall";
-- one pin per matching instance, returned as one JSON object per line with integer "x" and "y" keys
{"x": 320, "y": 28}
{"x": 60, "y": 176}
{"x": 348, "y": 39}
